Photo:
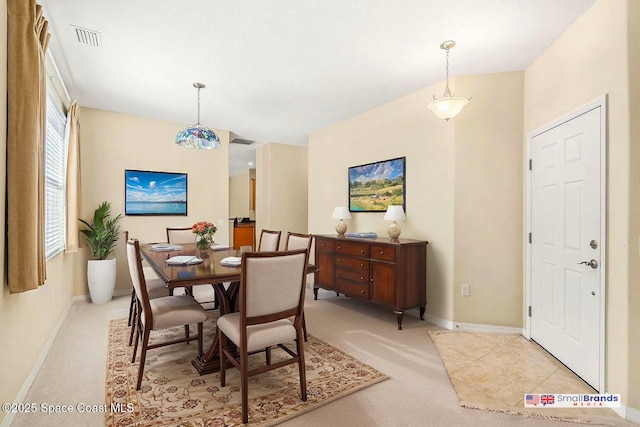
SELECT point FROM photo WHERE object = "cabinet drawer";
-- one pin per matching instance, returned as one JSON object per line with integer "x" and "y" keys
{"x": 356, "y": 276}
{"x": 355, "y": 263}
{"x": 356, "y": 289}
{"x": 353, "y": 248}
{"x": 325, "y": 244}
{"x": 383, "y": 252}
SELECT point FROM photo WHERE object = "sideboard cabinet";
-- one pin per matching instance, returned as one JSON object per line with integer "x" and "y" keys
{"x": 392, "y": 274}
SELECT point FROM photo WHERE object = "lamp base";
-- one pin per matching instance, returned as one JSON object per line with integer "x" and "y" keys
{"x": 341, "y": 228}
{"x": 394, "y": 231}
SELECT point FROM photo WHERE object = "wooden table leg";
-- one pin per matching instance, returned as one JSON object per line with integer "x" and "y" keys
{"x": 210, "y": 361}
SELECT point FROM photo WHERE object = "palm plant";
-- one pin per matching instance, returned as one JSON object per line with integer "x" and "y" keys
{"x": 102, "y": 233}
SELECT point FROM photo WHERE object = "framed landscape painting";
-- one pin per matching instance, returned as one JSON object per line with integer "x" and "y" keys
{"x": 155, "y": 193}
{"x": 375, "y": 186}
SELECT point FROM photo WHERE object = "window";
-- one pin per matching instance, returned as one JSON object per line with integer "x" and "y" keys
{"x": 54, "y": 178}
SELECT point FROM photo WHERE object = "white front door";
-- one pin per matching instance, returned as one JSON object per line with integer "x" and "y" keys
{"x": 566, "y": 252}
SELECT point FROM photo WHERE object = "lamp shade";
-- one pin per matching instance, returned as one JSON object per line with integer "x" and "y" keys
{"x": 448, "y": 108}
{"x": 199, "y": 137}
{"x": 341, "y": 212}
{"x": 395, "y": 213}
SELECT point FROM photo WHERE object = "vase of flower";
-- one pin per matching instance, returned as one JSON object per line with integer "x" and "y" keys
{"x": 204, "y": 231}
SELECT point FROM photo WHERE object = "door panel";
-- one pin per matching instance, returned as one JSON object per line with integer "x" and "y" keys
{"x": 565, "y": 217}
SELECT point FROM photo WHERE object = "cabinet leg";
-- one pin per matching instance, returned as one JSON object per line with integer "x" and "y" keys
{"x": 399, "y": 315}
{"x": 422, "y": 312}
{"x": 315, "y": 293}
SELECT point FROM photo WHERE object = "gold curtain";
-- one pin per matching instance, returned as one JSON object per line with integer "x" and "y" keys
{"x": 73, "y": 177}
{"x": 27, "y": 40}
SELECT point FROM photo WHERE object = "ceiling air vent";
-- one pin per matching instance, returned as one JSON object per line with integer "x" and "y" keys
{"x": 88, "y": 37}
{"x": 242, "y": 141}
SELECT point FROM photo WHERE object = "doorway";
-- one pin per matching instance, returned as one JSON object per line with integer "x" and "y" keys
{"x": 565, "y": 259}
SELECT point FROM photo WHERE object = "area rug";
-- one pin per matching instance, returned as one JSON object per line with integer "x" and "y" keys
{"x": 494, "y": 371}
{"x": 173, "y": 394}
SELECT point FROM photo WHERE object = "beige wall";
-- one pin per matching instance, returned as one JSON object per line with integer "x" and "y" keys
{"x": 239, "y": 195}
{"x": 589, "y": 60}
{"x": 488, "y": 236}
{"x": 464, "y": 186}
{"x": 107, "y": 141}
{"x": 281, "y": 189}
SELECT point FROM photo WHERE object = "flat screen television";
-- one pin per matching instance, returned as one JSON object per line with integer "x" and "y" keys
{"x": 155, "y": 193}
{"x": 375, "y": 186}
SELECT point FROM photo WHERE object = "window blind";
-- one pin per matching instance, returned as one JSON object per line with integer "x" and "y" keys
{"x": 54, "y": 175}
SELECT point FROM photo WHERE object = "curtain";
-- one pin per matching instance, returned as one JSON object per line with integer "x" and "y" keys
{"x": 27, "y": 40}
{"x": 73, "y": 178}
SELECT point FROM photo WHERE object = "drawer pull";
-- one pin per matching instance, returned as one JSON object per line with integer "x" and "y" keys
{"x": 361, "y": 251}
{"x": 324, "y": 244}
{"x": 361, "y": 265}
{"x": 361, "y": 277}
{"x": 381, "y": 252}
{"x": 339, "y": 260}
{"x": 371, "y": 280}
{"x": 339, "y": 247}
{"x": 362, "y": 292}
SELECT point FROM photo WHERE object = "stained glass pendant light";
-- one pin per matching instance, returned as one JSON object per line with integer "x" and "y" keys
{"x": 449, "y": 105}
{"x": 198, "y": 136}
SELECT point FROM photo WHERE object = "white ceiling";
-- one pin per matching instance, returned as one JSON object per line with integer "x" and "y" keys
{"x": 277, "y": 70}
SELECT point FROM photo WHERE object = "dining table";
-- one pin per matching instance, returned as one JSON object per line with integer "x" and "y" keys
{"x": 225, "y": 280}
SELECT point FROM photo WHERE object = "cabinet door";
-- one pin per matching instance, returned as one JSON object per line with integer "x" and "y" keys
{"x": 324, "y": 261}
{"x": 383, "y": 282}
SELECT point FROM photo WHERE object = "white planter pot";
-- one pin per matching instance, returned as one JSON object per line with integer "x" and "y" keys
{"x": 101, "y": 275}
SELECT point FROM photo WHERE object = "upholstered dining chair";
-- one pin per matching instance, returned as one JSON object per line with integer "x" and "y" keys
{"x": 271, "y": 291}
{"x": 155, "y": 286}
{"x": 160, "y": 313}
{"x": 299, "y": 241}
{"x": 204, "y": 294}
{"x": 269, "y": 240}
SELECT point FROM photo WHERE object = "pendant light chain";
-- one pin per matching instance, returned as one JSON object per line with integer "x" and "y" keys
{"x": 447, "y": 81}
{"x": 198, "y": 105}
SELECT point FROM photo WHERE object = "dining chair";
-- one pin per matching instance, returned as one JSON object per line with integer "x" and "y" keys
{"x": 179, "y": 235}
{"x": 155, "y": 286}
{"x": 299, "y": 241}
{"x": 204, "y": 294}
{"x": 160, "y": 313}
{"x": 271, "y": 291}
{"x": 269, "y": 240}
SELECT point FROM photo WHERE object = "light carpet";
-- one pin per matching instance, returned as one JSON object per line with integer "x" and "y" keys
{"x": 173, "y": 393}
{"x": 494, "y": 371}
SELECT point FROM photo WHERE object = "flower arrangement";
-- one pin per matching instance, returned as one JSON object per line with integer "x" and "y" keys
{"x": 205, "y": 231}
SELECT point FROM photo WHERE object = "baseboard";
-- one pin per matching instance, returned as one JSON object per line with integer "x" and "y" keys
{"x": 28, "y": 382}
{"x": 472, "y": 327}
{"x": 630, "y": 414}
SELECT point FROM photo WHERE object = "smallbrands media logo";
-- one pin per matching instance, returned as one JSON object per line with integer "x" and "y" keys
{"x": 571, "y": 400}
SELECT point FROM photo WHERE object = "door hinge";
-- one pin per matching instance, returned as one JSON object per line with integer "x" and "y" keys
{"x": 529, "y": 311}
{"x": 530, "y": 164}
{"x": 529, "y": 237}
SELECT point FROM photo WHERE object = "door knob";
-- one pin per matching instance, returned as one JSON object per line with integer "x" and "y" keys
{"x": 593, "y": 263}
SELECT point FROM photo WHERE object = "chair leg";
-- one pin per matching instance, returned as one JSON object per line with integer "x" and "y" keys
{"x": 244, "y": 383}
{"x": 301, "y": 367}
{"x": 222, "y": 343}
{"x": 267, "y": 352}
{"x": 143, "y": 356}
{"x": 186, "y": 333}
{"x": 304, "y": 328}
{"x": 200, "y": 339}
{"x": 135, "y": 346}
{"x": 132, "y": 307}
{"x": 134, "y": 323}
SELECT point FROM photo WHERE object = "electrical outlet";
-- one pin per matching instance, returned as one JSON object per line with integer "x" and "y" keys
{"x": 465, "y": 290}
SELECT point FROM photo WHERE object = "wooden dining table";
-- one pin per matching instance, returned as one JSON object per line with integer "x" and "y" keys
{"x": 209, "y": 271}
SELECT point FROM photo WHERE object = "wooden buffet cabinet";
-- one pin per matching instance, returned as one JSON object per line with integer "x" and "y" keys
{"x": 392, "y": 274}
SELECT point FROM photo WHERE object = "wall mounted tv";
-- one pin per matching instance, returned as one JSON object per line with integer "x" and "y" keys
{"x": 375, "y": 186}
{"x": 155, "y": 193}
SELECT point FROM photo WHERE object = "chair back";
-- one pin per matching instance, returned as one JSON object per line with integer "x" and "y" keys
{"x": 272, "y": 285}
{"x": 269, "y": 240}
{"x": 298, "y": 241}
{"x": 137, "y": 276}
{"x": 176, "y": 236}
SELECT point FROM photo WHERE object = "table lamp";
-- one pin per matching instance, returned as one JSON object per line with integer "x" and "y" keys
{"x": 394, "y": 213}
{"x": 341, "y": 213}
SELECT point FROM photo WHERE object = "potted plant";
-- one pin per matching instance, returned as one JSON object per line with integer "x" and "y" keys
{"x": 102, "y": 234}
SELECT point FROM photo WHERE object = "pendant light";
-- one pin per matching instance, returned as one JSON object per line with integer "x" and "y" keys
{"x": 198, "y": 136}
{"x": 449, "y": 105}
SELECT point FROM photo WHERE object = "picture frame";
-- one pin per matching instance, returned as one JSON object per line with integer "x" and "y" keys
{"x": 155, "y": 193}
{"x": 375, "y": 186}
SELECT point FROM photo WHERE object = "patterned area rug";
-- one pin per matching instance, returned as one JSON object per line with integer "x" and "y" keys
{"x": 173, "y": 394}
{"x": 494, "y": 371}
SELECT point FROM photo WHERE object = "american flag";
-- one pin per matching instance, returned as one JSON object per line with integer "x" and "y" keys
{"x": 547, "y": 399}
{"x": 532, "y": 399}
